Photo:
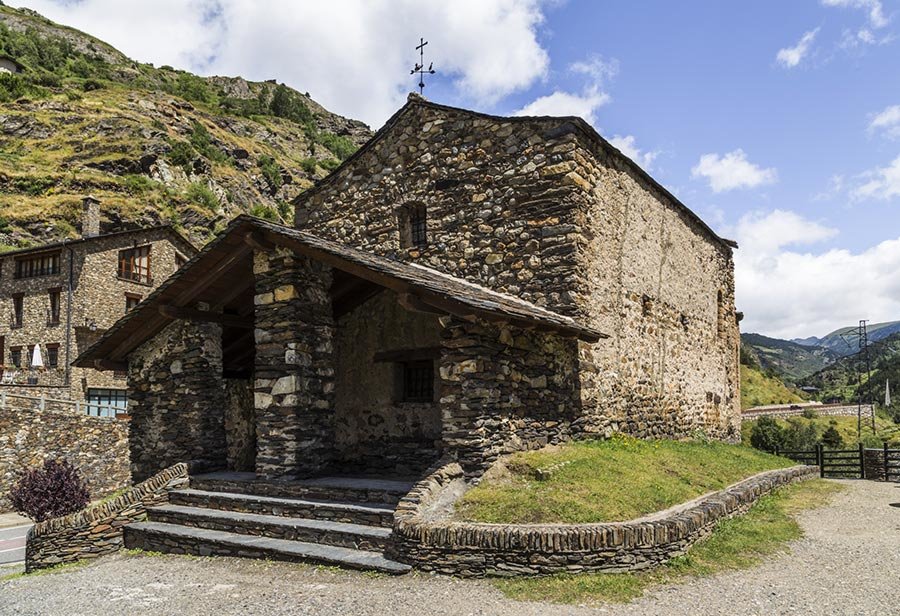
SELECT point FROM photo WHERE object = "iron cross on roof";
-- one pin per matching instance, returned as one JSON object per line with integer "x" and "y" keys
{"x": 420, "y": 65}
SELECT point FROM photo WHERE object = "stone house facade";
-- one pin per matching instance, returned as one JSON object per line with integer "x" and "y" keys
{"x": 62, "y": 297}
{"x": 464, "y": 285}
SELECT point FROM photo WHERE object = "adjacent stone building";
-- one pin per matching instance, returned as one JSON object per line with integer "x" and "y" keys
{"x": 464, "y": 285}
{"x": 62, "y": 297}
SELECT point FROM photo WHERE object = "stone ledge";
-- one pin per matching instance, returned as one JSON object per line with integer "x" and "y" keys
{"x": 434, "y": 543}
{"x": 97, "y": 530}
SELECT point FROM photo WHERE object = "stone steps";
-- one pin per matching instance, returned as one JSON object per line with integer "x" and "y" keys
{"x": 178, "y": 539}
{"x": 339, "y": 489}
{"x": 277, "y": 527}
{"x": 351, "y": 513}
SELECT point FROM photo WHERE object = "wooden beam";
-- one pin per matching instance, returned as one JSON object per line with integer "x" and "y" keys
{"x": 108, "y": 364}
{"x": 407, "y": 354}
{"x": 414, "y": 304}
{"x": 202, "y": 316}
{"x": 217, "y": 271}
{"x": 257, "y": 241}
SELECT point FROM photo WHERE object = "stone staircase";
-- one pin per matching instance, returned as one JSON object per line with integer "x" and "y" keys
{"x": 343, "y": 521}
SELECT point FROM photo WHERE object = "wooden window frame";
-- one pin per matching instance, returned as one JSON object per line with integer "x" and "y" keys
{"x": 53, "y": 318}
{"x": 128, "y": 267}
{"x": 18, "y": 300}
{"x": 412, "y": 220}
{"x": 54, "y": 347}
{"x": 132, "y": 297}
{"x": 34, "y": 266}
{"x": 15, "y": 352}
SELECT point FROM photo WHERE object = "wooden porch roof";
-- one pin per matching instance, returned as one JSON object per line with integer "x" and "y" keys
{"x": 221, "y": 276}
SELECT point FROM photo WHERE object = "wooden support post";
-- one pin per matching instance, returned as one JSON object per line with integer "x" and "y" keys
{"x": 862, "y": 461}
{"x": 886, "y": 465}
{"x": 820, "y": 459}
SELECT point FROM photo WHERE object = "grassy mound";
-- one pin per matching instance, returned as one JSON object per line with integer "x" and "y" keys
{"x": 603, "y": 481}
{"x": 758, "y": 389}
{"x": 736, "y": 543}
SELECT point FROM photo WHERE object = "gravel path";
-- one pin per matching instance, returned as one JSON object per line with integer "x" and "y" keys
{"x": 848, "y": 563}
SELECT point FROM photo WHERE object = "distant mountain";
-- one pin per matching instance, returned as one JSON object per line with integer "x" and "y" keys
{"x": 836, "y": 343}
{"x": 840, "y": 381}
{"x": 789, "y": 360}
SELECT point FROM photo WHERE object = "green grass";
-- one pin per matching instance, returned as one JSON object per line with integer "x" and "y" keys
{"x": 737, "y": 543}
{"x": 617, "y": 479}
{"x": 757, "y": 389}
{"x": 60, "y": 568}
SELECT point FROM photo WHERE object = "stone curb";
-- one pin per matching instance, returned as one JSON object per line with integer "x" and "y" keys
{"x": 478, "y": 549}
{"x": 97, "y": 530}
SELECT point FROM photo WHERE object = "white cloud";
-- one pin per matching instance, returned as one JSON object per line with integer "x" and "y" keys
{"x": 789, "y": 57}
{"x": 875, "y": 9}
{"x": 732, "y": 171}
{"x": 887, "y": 122}
{"x": 353, "y": 56}
{"x": 835, "y": 188}
{"x": 628, "y": 146}
{"x": 881, "y": 183}
{"x": 788, "y": 291}
{"x": 583, "y": 104}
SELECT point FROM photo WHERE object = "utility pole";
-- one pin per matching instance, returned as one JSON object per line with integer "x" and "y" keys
{"x": 864, "y": 349}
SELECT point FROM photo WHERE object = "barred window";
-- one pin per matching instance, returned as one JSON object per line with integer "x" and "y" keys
{"x": 134, "y": 264}
{"x": 418, "y": 381}
{"x": 53, "y": 317}
{"x": 413, "y": 222}
{"x": 52, "y": 355}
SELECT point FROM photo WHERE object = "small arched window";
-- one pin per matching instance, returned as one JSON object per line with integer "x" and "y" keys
{"x": 414, "y": 226}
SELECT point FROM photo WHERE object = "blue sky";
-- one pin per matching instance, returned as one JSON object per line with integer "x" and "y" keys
{"x": 777, "y": 122}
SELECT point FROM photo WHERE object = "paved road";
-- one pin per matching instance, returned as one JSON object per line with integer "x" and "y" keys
{"x": 847, "y": 563}
{"x": 12, "y": 544}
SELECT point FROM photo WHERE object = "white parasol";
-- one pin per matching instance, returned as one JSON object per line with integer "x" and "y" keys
{"x": 36, "y": 360}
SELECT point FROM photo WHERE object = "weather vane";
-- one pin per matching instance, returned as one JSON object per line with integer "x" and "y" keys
{"x": 420, "y": 65}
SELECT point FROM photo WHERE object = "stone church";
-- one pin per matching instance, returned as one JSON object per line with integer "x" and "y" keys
{"x": 464, "y": 285}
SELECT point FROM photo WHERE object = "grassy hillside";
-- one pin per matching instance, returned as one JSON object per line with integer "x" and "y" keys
{"x": 153, "y": 144}
{"x": 791, "y": 361}
{"x": 759, "y": 389}
{"x": 837, "y": 340}
{"x": 600, "y": 481}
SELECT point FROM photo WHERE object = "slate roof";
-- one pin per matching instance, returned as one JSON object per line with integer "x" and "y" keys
{"x": 167, "y": 229}
{"x": 228, "y": 257}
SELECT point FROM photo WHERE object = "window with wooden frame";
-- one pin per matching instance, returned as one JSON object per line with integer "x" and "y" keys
{"x": 131, "y": 301}
{"x": 134, "y": 264}
{"x": 54, "y": 295}
{"x": 413, "y": 222}
{"x": 417, "y": 381}
{"x": 15, "y": 356}
{"x": 32, "y": 266}
{"x": 18, "y": 307}
{"x": 52, "y": 355}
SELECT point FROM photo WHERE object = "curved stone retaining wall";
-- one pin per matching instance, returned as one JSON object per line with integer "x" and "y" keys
{"x": 97, "y": 530}
{"x": 426, "y": 538}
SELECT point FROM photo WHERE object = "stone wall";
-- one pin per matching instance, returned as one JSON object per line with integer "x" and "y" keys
{"x": 821, "y": 410}
{"x": 96, "y": 446}
{"x": 294, "y": 370}
{"x": 374, "y": 429}
{"x": 240, "y": 425}
{"x": 425, "y": 538}
{"x": 543, "y": 209}
{"x": 97, "y": 530}
{"x": 176, "y": 399}
{"x": 504, "y": 389}
{"x": 93, "y": 301}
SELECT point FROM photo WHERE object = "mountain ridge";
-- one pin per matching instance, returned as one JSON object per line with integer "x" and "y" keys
{"x": 155, "y": 145}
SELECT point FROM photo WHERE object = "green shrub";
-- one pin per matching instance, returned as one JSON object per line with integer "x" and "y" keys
{"x": 767, "y": 435}
{"x": 90, "y": 85}
{"x": 309, "y": 165}
{"x": 288, "y": 104}
{"x": 202, "y": 142}
{"x": 285, "y": 210}
{"x": 137, "y": 184}
{"x": 181, "y": 154}
{"x": 800, "y": 435}
{"x": 831, "y": 438}
{"x": 192, "y": 88}
{"x": 31, "y": 185}
{"x": 330, "y": 164}
{"x": 271, "y": 171}
{"x": 200, "y": 194}
{"x": 12, "y": 87}
{"x": 338, "y": 145}
{"x": 264, "y": 211}
{"x": 809, "y": 413}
